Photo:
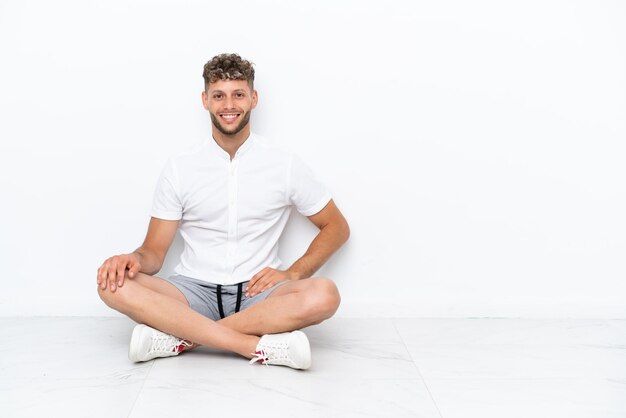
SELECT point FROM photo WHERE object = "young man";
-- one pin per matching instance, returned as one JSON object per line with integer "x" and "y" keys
{"x": 231, "y": 198}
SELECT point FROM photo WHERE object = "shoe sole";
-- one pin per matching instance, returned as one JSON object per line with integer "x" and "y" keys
{"x": 133, "y": 354}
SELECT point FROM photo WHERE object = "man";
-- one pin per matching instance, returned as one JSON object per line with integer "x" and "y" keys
{"x": 230, "y": 197}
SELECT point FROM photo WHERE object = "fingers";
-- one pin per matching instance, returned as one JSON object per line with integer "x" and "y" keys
{"x": 254, "y": 280}
{"x": 263, "y": 280}
{"x": 112, "y": 275}
{"x": 253, "y": 283}
{"x": 257, "y": 276}
{"x": 134, "y": 268}
{"x": 112, "y": 272}
{"x": 101, "y": 279}
{"x": 103, "y": 274}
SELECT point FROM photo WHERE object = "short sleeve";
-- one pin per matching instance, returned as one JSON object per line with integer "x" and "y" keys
{"x": 306, "y": 192}
{"x": 166, "y": 203}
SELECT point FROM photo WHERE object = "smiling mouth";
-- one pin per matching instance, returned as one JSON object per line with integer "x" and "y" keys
{"x": 229, "y": 117}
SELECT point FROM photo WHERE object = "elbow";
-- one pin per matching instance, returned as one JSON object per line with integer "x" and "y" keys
{"x": 345, "y": 231}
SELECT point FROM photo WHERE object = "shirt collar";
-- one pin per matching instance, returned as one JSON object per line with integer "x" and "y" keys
{"x": 215, "y": 148}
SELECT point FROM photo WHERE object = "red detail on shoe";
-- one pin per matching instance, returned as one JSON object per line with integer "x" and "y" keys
{"x": 260, "y": 353}
{"x": 180, "y": 348}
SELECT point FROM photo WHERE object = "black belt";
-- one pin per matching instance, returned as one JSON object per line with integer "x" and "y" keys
{"x": 219, "y": 299}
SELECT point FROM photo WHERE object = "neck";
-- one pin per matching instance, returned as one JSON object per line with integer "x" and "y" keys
{"x": 231, "y": 143}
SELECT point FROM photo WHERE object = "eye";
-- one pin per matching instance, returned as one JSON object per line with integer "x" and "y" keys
{"x": 217, "y": 96}
{"x": 239, "y": 95}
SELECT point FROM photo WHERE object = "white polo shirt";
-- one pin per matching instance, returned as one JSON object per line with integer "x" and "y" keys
{"x": 233, "y": 212}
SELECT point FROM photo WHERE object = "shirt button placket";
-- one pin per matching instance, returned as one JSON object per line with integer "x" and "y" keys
{"x": 232, "y": 216}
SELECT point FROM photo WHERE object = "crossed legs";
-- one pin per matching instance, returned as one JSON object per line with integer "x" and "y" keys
{"x": 159, "y": 304}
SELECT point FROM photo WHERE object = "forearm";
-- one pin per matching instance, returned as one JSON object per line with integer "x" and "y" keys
{"x": 325, "y": 244}
{"x": 150, "y": 261}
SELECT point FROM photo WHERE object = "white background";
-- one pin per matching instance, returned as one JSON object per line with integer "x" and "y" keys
{"x": 476, "y": 148}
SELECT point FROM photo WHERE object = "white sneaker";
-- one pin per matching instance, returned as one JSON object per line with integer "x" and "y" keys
{"x": 287, "y": 349}
{"x": 148, "y": 343}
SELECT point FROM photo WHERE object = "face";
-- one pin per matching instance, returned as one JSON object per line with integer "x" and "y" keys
{"x": 229, "y": 102}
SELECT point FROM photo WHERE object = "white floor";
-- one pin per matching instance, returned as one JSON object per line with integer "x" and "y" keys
{"x": 459, "y": 368}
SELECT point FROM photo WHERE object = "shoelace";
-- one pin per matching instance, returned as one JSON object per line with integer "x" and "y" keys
{"x": 164, "y": 343}
{"x": 270, "y": 355}
{"x": 259, "y": 356}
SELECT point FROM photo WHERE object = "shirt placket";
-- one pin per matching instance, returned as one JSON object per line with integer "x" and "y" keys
{"x": 232, "y": 218}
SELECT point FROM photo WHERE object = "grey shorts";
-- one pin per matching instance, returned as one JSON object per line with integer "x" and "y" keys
{"x": 203, "y": 297}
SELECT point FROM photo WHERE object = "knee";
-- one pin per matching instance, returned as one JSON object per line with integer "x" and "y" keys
{"x": 325, "y": 300}
{"x": 116, "y": 300}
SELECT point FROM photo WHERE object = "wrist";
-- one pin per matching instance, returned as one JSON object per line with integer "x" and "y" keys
{"x": 294, "y": 275}
{"x": 137, "y": 256}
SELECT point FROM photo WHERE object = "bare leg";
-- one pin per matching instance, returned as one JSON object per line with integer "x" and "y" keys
{"x": 170, "y": 314}
{"x": 159, "y": 304}
{"x": 160, "y": 285}
{"x": 292, "y": 306}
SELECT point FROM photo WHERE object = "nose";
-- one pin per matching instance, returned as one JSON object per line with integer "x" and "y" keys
{"x": 229, "y": 103}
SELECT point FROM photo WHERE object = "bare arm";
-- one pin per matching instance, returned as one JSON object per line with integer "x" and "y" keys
{"x": 334, "y": 232}
{"x": 146, "y": 259}
{"x": 158, "y": 240}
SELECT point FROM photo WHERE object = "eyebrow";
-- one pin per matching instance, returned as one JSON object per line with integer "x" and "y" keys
{"x": 234, "y": 91}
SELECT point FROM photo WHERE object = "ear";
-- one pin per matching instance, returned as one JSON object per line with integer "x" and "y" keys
{"x": 205, "y": 100}
{"x": 255, "y": 98}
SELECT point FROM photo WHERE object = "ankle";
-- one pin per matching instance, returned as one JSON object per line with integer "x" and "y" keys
{"x": 250, "y": 346}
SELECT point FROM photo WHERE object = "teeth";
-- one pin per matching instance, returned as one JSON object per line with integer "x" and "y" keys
{"x": 230, "y": 116}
